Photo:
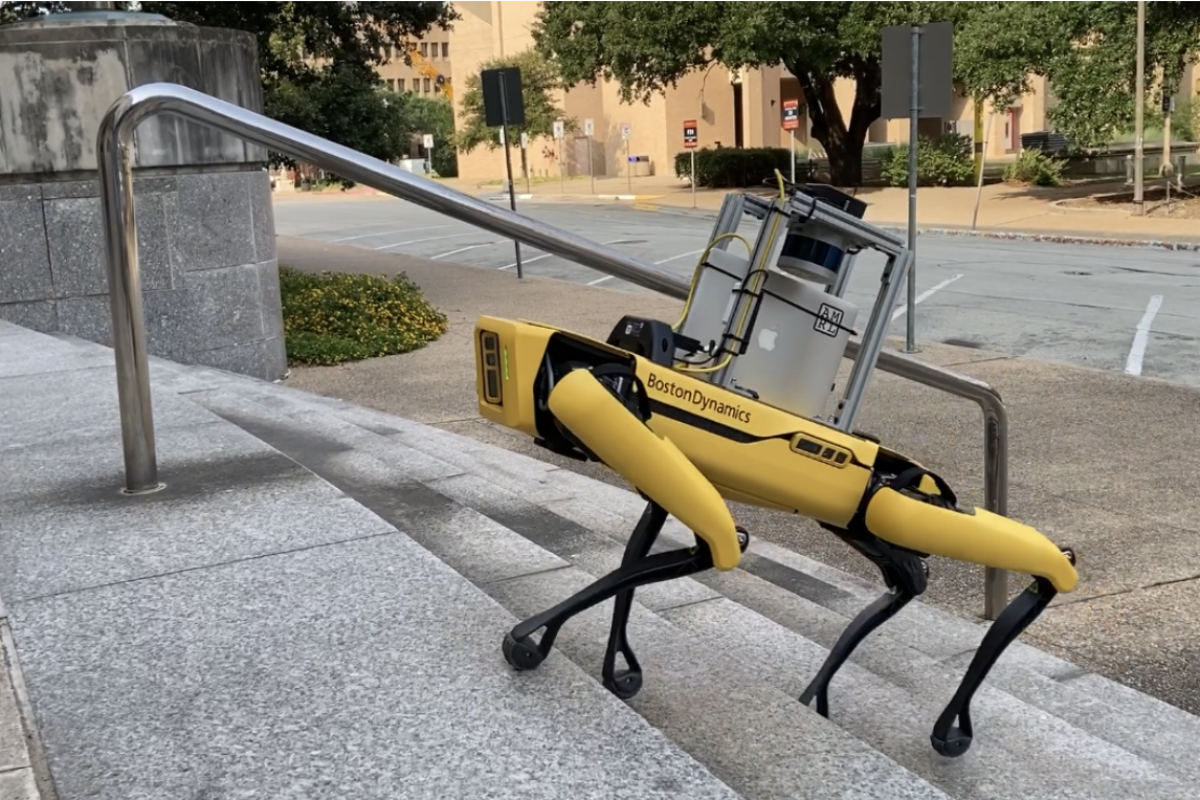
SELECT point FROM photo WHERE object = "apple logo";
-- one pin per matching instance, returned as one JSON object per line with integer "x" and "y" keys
{"x": 766, "y": 339}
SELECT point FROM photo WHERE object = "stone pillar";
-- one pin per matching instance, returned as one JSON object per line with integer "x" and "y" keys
{"x": 206, "y": 227}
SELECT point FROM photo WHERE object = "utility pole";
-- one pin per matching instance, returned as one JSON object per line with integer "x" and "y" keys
{"x": 1139, "y": 172}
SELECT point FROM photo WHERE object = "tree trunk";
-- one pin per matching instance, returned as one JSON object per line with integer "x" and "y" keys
{"x": 843, "y": 143}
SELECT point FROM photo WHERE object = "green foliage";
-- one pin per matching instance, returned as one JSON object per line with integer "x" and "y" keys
{"x": 646, "y": 47}
{"x": 539, "y": 81}
{"x": 733, "y": 167}
{"x": 420, "y": 115}
{"x": 947, "y": 161}
{"x": 336, "y": 95}
{"x": 18, "y": 12}
{"x": 330, "y": 318}
{"x": 1036, "y": 168}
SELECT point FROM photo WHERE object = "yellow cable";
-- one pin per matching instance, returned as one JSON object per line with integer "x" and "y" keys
{"x": 687, "y": 304}
{"x": 758, "y": 277}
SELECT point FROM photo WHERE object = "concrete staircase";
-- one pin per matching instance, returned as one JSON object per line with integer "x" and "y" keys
{"x": 724, "y": 655}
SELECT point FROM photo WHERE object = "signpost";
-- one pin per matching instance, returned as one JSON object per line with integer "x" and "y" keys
{"x": 626, "y": 135}
{"x": 691, "y": 140}
{"x": 427, "y": 140}
{"x": 560, "y": 132}
{"x": 589, "y": 130}
{"x": 503, "y": 105}
{"x": 917, "y": 65}
{"x": 791, "y": 121}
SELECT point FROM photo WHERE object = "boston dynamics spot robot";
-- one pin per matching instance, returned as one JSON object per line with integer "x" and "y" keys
{"x": 729, "y": 405}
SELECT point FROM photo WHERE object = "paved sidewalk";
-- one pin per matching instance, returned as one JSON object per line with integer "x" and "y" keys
{"x": 1087, "y": 463}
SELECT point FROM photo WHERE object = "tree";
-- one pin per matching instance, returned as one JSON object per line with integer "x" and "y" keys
{"x": 539, "y": 81}
{"x": 319, "y": 61}
{"x": 434, "y": 115}
{"x": 647, "y": 47}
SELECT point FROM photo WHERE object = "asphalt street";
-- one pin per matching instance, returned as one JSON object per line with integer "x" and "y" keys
{"x": 1132, "y": 310}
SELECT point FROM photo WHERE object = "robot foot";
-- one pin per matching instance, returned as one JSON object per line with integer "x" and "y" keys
{"x": 859, "y": 629}
{"x": 638, "y": 568}
{"x": 952, "y": 740}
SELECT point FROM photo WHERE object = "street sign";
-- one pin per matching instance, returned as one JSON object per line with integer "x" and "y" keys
{"x": 935, "y": 71}
{"x": 503, "y": 138}
{"x": 791, "y": 115}
{"x": 503, "y": 103}
{"x": 559, "y": 129}
{"x": 691, "y": 136}
{"x": 1168, "y": 104}
{"x": 524, "y": 140}
{"x": 626, "y": 131}
{"x": 428, "y": 141}
{"x": 589, "y": 128}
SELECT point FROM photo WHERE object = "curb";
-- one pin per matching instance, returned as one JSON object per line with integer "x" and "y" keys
{"x": 1049, "y": 237}
{"x": 37, "y": 770}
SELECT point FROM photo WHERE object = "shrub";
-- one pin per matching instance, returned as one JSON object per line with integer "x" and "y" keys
{"x": 947, "y": 161}
{"x": 329, "y": 318}
{"x": 732, "y": 166}
{"x": 1035, "y": 167}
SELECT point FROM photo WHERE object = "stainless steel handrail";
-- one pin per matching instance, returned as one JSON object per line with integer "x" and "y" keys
{"x": 115, "y": 149}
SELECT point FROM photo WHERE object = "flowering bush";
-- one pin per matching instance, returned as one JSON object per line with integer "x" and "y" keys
{"x": 329, "y": 318}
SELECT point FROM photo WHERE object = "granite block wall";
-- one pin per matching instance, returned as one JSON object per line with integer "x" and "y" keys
{"x": 206, "y": 253}
{"x": 206, "y": 230}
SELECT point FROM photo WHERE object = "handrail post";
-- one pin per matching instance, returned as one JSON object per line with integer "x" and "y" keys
{"x": 995, "y": 498}
{"x": 115, "y": 162}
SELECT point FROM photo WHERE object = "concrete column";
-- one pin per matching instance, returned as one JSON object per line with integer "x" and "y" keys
{"x": 206, "y": 229}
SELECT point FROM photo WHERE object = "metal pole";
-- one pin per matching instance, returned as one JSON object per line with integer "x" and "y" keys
{"x": 128, "y": 323}
{"x": 512, "y": 194}
{"x": 125, "y": 299}
{"x": 987, "y": 129}
{"x": 629, "y": 163}
{"x": 693, "y": 177}
{"x": 591, "y": 165}
{"x": 792, "y": 135}
{"x": 1139, "y": 112}
{"x": 910, "y": 334}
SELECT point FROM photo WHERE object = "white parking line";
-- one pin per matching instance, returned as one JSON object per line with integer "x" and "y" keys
{"x": 385, "y": 233}
{"x": 1133, "y": 365}
{"x": 426, "y": 239}
{"x": 599, "y": 281}
{"x": 464, "y": 249}
{"x": 923, "y": 296}
{"x": 525, "y": 261}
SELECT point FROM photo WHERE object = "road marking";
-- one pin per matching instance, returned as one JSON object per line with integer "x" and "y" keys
{"x": 384, "y": 233}
{"x": 1133, "y": 365}
{"x": 923, "y": 296}
{"x": 599, "y": 281}
{"x": 426, "y": 239}
{"x": 525, "y": 261}
{"x": 464, "y": 249}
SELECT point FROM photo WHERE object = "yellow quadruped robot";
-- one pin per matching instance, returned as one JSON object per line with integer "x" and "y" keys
{"x": 729, "y": 404}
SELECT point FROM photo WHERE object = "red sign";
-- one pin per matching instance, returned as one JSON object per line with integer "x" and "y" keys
{"x": 691, "y": 136}
{"x": 791, "y": 115}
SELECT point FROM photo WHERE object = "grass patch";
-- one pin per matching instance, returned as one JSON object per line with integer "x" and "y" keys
{"x": 331, "y": 318}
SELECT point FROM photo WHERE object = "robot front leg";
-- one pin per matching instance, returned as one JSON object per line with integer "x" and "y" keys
{"x": 906, "y": 575}
{"x": 950, "y": 739}
{"x": 524, "y": 653}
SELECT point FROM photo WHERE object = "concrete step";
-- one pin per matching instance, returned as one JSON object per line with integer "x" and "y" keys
{"x": 751, "y": 736}
{"x": 919, "y": 636}
{"x": 896, "y": 690}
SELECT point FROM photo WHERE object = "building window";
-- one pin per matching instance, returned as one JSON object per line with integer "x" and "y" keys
{"x": 446, "y": 50}
{"x": 425, "y": 86}
{"x": 424, "y": 49}
{"x": 392, "y": 84}
{"x": 400, "y": 84}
